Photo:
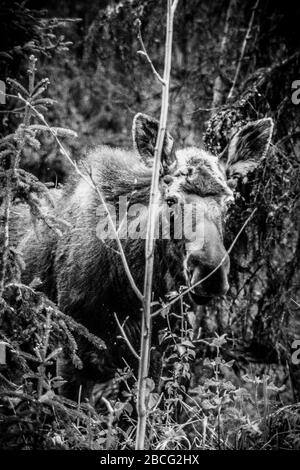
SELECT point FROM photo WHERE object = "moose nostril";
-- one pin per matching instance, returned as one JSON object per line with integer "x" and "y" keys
{"x": 171, "y": 200}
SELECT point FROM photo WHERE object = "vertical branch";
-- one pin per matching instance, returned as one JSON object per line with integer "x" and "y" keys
{"x": 150, "y": 241}
{"x": 5, "y": 252}
{"x": 244, "y": 45}
{"x": 218, "y": 88}
{"x": 43, "y": 354}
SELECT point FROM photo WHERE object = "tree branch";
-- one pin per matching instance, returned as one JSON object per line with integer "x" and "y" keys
{"x": 150, "y": 239}
{"x": 144, "y": 53}
{"x": 126, "y": 338}
{"x": 218, "y": 88}
{"x": 244, "y": 45}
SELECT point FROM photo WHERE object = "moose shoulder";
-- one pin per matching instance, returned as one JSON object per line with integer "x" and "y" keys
{"x": 82, "y": 270}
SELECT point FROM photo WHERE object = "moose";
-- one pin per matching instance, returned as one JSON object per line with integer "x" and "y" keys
{"x": 84, "y": 274}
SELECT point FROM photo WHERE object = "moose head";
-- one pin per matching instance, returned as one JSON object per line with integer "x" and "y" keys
{"x": 194, "y": 177}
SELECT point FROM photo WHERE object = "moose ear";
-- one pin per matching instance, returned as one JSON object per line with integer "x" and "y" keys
{"x": 248, "y": 146}
{"x": 144, "y": 133}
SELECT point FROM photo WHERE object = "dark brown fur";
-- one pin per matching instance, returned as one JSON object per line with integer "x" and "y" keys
{"x": 85, "y": 275}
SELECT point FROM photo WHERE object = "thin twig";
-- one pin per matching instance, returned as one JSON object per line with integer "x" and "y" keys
{"x": 79, "y": 403}
{"x": 244, "y": 45}
{"x": 126, "y": 338}
{"x": 5, "y": 252}
{"x": 218, "y": 88}
{"x": 111, "y": 414}
{"x": 144, "y": 53}
{"x": 174, "y": 6}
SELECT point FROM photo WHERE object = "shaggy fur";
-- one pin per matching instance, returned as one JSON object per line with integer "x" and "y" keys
{"x": 85, "y": 275}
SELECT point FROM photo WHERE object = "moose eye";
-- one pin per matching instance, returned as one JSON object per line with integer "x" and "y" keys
{"x": 232, "y": 176}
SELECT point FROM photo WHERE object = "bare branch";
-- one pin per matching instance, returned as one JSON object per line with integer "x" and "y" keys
{"x": 5, "y": 252}
{"x": 174, "y": 6}
{"x": 126, "y": 338}
{"x": 144, "y": 53}
{"x": 150, "y": 239}
{"x": 244, "y": 45}
{"x": 117, "y": 238}
{"x": 218, "y": 89}
{"x": 108, "y": 405}
{"x": 111, "y": 414}
{"x": 298, "y": 305}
